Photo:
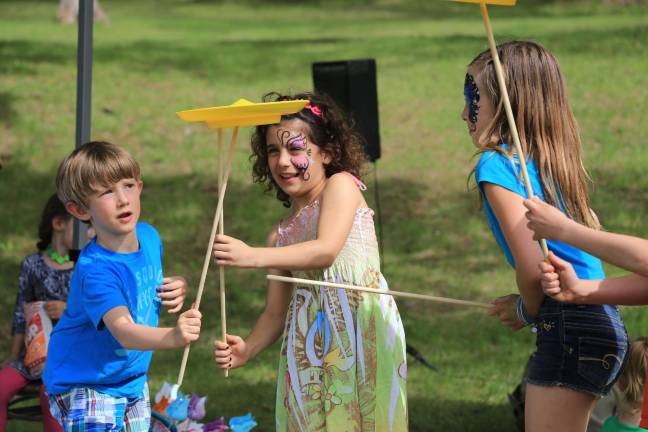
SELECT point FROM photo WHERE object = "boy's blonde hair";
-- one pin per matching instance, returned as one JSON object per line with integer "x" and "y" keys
{"x": 93, "y": 165}
{"x": 631, "y": 381}
{"x": 546, "y": 125}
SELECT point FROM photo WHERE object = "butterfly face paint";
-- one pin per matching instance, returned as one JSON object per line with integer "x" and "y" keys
{"x": 471, "y": 93}
{"x": 300, "y": 154}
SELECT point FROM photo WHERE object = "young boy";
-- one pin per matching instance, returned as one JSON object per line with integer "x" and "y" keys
{"x": 100, "y": 350}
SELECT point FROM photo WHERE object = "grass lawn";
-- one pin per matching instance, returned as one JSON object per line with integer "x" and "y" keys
{"x": 155, "y": 58}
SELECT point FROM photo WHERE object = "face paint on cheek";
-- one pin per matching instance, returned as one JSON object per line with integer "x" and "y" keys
{"x": 471, "y": 93}
{"x": 301, "y": 162}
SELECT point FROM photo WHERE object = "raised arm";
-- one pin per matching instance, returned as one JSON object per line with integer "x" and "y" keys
{"x": 339, "y": 203}
{"x": 510, "y": 213}
{"x": 629, "y": 253}
{"x": 105, "y": 303}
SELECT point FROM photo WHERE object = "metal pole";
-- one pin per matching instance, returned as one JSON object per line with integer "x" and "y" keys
{"x": 84, "y": 98}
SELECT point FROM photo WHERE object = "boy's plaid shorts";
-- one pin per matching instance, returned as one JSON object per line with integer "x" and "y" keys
{"x": 83, "y": 409}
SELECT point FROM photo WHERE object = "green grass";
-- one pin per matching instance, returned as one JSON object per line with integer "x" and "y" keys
{"x": 156, "y": 58}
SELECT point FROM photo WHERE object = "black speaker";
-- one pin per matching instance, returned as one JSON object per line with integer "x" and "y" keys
{"x": 352, "y": 85}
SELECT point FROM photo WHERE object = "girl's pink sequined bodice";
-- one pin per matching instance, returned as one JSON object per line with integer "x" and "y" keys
{"x": 361, "y": 245}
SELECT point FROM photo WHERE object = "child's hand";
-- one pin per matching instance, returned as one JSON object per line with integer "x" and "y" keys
{"x": 559, "y": 281}
{"x": 232, "y": 354}
{"x": 547, "y": 222}
{"x": 504, "y": 309}
{"x": 229, "y": 251}
{"x": 174, "y": 290}
{"x": 188, "y": 328}
{"x": 55, "y": 309}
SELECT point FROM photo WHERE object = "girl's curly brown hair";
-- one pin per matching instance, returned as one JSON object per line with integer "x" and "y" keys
{"x": 330, "y": 131}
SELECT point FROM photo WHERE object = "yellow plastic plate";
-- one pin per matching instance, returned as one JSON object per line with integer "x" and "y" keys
{"x": 242, "y": 113}
{"x": 493, "y": 2}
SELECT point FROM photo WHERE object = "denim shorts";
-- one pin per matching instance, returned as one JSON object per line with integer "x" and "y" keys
{"x": 581, "y": 347}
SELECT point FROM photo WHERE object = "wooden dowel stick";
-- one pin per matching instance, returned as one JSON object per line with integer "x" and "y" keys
{"x": 217, "y": 216}
{"x": 221, "y": 230}
{"x": 315, "y": 283}
{"x": 509, "y": 111}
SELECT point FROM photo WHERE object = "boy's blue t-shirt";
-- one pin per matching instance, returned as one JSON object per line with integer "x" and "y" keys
{"x": 504, "y": 171}
{"x": 82, "y": 352}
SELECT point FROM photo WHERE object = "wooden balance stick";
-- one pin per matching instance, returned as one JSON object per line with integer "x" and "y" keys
{"x": 221, "y": 231}
{"x": 315, "y": 283}
{"x": 240, "y": 113}
{"x": 208, "y": 254}
{"x": 509, "y": 111}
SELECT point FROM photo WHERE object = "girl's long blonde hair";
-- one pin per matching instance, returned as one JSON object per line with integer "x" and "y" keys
{"x": 631, "y": 381}
{"x": 546, "y": 125}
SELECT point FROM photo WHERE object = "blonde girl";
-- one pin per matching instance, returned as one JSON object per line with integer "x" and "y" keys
{"x": 579, "y": 348}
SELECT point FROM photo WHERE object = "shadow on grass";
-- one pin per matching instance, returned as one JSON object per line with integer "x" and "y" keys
{"x": 21, "y": 56}
{"x": 7, "y": 112}
{"x": 414, "y": 9}
{"x": 629, "y": 185}
{"x": 430, "y": 414}
{"x": 26, "y": 55}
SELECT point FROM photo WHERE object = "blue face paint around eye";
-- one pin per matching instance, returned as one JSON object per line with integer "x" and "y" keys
{"x": 471, "y": 93}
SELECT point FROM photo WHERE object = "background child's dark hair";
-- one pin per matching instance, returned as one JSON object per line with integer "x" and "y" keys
{"x": 331, "y": 131}
{"x": 53, "y": 208}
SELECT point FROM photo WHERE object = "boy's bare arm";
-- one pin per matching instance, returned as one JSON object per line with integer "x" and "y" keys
{"x": 134, "y": 336}
{"x": 560, "y": 281}
{"x": 629, "y": 253}
{"x": 630, "y": 290}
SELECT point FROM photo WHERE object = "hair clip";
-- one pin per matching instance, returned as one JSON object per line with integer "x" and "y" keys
{"x": 315, "y": 110}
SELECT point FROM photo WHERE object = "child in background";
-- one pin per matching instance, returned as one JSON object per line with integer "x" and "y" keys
{"x": 99, "y": 352}
{"x": 630, "y": 388}
{"x": 342, "y": 364}
{"x": 44, "y": 276}
{"x": 579, "y": 349}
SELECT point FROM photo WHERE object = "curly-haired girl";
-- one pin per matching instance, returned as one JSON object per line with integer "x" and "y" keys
{"x": 342, "y": 363}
